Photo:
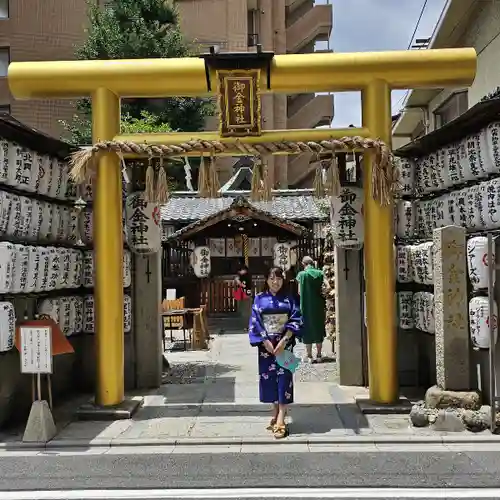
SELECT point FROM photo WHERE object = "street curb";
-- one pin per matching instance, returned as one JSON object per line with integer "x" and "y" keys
{"x": 192, "y": 442}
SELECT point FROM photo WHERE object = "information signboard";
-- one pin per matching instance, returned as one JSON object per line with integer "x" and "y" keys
{"x": 36, "y": 349}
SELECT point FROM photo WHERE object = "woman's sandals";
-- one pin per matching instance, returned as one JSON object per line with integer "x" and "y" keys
{"x": 280, "y": 431}
{"x": 271, "y": 425}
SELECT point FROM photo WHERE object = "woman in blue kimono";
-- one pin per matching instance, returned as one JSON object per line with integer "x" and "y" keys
{"x": 275, "y": 323}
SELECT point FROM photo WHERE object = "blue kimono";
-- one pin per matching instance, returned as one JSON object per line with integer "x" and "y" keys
{"x": 272, "y": 315}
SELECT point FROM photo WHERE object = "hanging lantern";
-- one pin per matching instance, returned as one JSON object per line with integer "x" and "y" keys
{"x": 33, "y": 269}
{"x": 348, "y": 218}
{"x": 42, "y": 280}
{"x": 428, "y": 307}
{"x": 20, "y": 265}
{"x": 7, "y": 326}
{"x": 477, "y": 262}
{"x": 7, "y": 251}
{"x": 77, "y": 258}
{"x": 476, "y": 156}
{"x": 405, "y": 310}
{"x": 200, "y": 261}
{"x": 127, "y": 269}
{"x": 422, "y": 263}
{"x": 436, "y": 175}
{"x": 76, "y": 314}
{"x": 493, "y": 146}
{"x": 143, "y": 225}
{"x": 403, "y": 264}
{"x": 441, "y": 205}
{"x": 423, "y": 310}
{"x": 50, "y": 308}
{"x": 492, "y": 202}
{"x": 4, "y": 160}
{"x": 406, "y": 168}
{"x": 65, "y": 316}
{"x": 88, "y": 314}
{"x": 15, "y": 159}
{"x": 447, "y": 165}
{"x": 405, "y": 219}
{"x": 479, "y": 322}
{"x": 127, "y": 314}
{"x": 282, "y": 256}
{"x": 64, "y": 277}
{"x": 88, "y": 269}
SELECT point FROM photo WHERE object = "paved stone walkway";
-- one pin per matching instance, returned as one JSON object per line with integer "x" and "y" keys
{"x": 212, "y": 396}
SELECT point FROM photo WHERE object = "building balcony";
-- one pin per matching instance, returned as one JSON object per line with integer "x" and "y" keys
{"x": 306, "y": 111}
{"x": 314, "y": 25}
{"x": 310, "y": 111}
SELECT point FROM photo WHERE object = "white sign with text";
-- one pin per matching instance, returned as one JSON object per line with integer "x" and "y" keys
{"x": 36, "y": 349}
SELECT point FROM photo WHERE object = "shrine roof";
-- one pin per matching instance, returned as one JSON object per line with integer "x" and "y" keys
{"x": 239, "y": 206}
{"x": 15, "y": 131}
{"x": 287, "y": 204}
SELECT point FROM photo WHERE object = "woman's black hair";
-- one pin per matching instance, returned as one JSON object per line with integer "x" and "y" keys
{"x": 279, "y": 273}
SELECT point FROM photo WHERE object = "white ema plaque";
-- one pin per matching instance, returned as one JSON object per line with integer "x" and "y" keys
{"x": 36, "y": 349}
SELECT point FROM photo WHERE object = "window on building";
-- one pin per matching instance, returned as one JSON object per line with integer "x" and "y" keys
{"x": 4, "y": 9}
{"x": 4, "y": 61}
{"x": 5, "y": 108}
{"x": 452, "y": 108}
{"x": 252, "y": 27}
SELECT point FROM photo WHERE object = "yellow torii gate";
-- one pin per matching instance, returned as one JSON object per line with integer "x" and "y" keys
{"x": 374, "y": 74}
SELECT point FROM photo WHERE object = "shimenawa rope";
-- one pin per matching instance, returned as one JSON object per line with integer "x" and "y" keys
{"x": 384, "y": 176}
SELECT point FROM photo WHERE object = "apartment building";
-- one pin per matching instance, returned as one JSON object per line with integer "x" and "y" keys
{"x": 32, "y": 30}
{"x": 39, "y": 30}
{"x": 463, "y": 23}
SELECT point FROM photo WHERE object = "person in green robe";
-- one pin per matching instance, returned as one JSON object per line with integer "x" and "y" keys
{"x": 312, "y": 307}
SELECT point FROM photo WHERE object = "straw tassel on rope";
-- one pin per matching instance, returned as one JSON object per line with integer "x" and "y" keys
{"x": 214, "y": 179}
{"x": 162, "y": 193}
{"x": 266, "y": 184}
{"x": 149, "y": 188}
{"x": 204, "y": 180}
{"x": 256, "y": 190}
{"x": 318, "y": 185}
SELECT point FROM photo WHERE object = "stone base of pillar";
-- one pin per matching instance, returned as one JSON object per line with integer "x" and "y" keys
{"x": 122, "y": 411}
{"x": 368, "y": 407}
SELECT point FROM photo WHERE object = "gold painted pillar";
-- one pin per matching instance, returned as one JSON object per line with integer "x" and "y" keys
{"x": 379, "y": 258}
{"x": 108, "y": 248}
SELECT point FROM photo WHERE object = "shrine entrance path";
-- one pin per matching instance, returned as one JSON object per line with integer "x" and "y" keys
{"x": 211, "y": 397}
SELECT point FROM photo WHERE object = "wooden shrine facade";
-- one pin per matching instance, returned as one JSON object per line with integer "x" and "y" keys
{"x": 294, "y": 217}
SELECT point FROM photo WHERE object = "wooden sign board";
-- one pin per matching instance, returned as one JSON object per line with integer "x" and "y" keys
{"x": 239, "y": 103}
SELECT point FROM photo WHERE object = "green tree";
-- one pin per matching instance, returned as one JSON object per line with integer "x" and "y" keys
{"x": 138, "y": 29}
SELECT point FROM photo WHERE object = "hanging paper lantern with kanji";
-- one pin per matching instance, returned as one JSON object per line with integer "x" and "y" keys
{"x": 143, "y": 225}
{"x": 200, "y": 261}
{"x": 283, "y": 255}
{"x": 477, "y": 262}
{"x": 347, "y": 218}
{"x": 479, "y": 322}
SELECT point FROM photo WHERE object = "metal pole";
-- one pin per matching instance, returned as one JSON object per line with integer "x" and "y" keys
{"x": 491, "y": 324}
{"x": 379, "y": 259}
{"x": 108, "y": 245}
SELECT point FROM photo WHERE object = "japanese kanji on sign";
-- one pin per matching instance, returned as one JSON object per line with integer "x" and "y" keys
{"x": 36, "y": 349}
{"x": 239, "y": 103}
